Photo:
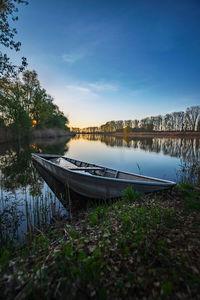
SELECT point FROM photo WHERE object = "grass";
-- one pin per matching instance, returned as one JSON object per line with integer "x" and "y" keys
{"x": 137, "y": 247}
{"x": 190, "y": 196}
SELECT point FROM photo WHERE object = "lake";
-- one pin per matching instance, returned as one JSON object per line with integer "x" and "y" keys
{"x": 30, "y": 198}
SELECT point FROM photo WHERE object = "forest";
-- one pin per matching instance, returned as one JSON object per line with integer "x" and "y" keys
{"x": 176, "y": 121}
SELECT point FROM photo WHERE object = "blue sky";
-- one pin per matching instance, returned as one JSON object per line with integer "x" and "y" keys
{"x": 112, "y": 60}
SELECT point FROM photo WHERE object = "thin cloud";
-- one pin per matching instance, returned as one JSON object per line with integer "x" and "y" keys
{"x": 92, "y": 88}
{"x": 102, "y": 86}
{"x": 86, "y": 49}
{"x": 71, "y": 58}
{"x": 78, "y": 88}
{"x": 79, "y": 92}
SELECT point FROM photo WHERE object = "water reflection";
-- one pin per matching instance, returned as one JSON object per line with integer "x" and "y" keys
{"x": 26, "y": 201}
{"x": 73, "y": 201}
{"x": 187, "y": 148}
{"x": 176, "y": 159}
{"x": 51, "y": 145}
{"x": 16, "y": 169}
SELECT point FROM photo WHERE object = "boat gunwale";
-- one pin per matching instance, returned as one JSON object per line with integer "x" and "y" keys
{"x": 161, "y": 182}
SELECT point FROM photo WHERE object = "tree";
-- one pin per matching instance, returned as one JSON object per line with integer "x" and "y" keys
{"x": 45, "y": 112}
{"x": 192, "y": 116}
{"x": 156, "y": 123}
{"x": 24, "y": 101}
{"x": 37, "y": 105}
{"x": 127, "y": 129}
{"x": 31, "y": 84}
{"x": 11, "y": 104}
{"x": 8, "y": 9}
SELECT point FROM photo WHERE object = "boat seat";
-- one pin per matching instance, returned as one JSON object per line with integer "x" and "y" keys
{"x": 84, "y": 168}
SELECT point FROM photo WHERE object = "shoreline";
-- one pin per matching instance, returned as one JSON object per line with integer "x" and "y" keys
{"x": 166, "y": 134}
{"x": 146, "y": 246}
{"x": 8, "y": 136}
{"x": 51, "y": 133}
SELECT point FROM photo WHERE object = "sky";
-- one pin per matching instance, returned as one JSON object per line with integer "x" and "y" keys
{"x": 113, "y": 60}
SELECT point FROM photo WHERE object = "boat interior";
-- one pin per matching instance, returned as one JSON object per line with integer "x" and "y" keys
{"x": 92, "y": 169}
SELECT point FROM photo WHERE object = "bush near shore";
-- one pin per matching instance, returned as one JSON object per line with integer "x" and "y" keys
{"x": 141, "y": 247}
{"x": 7, "y": 135}
{"x": 50, "y": 133}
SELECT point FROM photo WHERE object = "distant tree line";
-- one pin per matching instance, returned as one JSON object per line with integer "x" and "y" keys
{"x": 176, "y": 121}
{"x": 25, "y": 105}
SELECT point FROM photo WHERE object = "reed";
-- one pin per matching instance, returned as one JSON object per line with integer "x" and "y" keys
{"x": 21, "y": 213}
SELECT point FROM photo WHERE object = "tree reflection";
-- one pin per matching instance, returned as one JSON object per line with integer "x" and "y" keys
{"x": 24, "y": 199}
{"x": 16, "y": 163}
{"x": 185, "y": 148}
{"x": 16, "y": 168}
{"x": 50, "y": 145}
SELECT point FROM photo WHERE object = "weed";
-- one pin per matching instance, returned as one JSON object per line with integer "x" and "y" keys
{"x": 93, "y": 219}
{"x": 192, "y": 203}
{"x": 130, "y": 195}
{"x": 191, "y": 197}
{"x": 167, "y": 288}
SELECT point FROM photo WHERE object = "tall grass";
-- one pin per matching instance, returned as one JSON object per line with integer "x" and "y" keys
{"x": 188, "y": 172}
{"x": 21, "y": 213}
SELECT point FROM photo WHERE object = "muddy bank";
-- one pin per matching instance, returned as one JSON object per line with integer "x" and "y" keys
{"x": 166, "y": 134}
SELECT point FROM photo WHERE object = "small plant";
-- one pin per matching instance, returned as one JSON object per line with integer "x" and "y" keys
{"x": 188, "y": 171}
{"x": 93, "y": 219}
{"x": 98, "y": 215}
{"x": 139, "y": 169}
{"x": 192, "y": 203}
{"x": 167, "y": 288}
{"x": 185, "y": 187}
{"x": 101, "y": 212}
{"x": 190, "y": 196}
{"x": 130, "y": 194}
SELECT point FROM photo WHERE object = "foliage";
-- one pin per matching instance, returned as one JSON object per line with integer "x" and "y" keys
{"x": 190, "y": 196}
{"x": 130, "y": 195}
{"x": 23, "y": 101}
{"x": 144, "y": 128}
{"x": 11, "y": 106}
{"x": 127, "y": 129}
{"x": 8, "y": 9}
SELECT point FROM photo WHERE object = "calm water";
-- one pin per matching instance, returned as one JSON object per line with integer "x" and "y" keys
{"x": 28, "y": 202}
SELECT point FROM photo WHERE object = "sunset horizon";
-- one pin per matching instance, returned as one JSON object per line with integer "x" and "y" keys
{"x": 112, "y": 61}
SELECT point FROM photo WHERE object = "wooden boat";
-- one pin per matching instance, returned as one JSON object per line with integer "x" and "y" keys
{"x": 94, "y": 181}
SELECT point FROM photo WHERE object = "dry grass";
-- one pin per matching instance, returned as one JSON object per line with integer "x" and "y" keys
{"x": 50, "y": 133}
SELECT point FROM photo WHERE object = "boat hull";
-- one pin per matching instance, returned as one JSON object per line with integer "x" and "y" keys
{"x": 97, "y": 187}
